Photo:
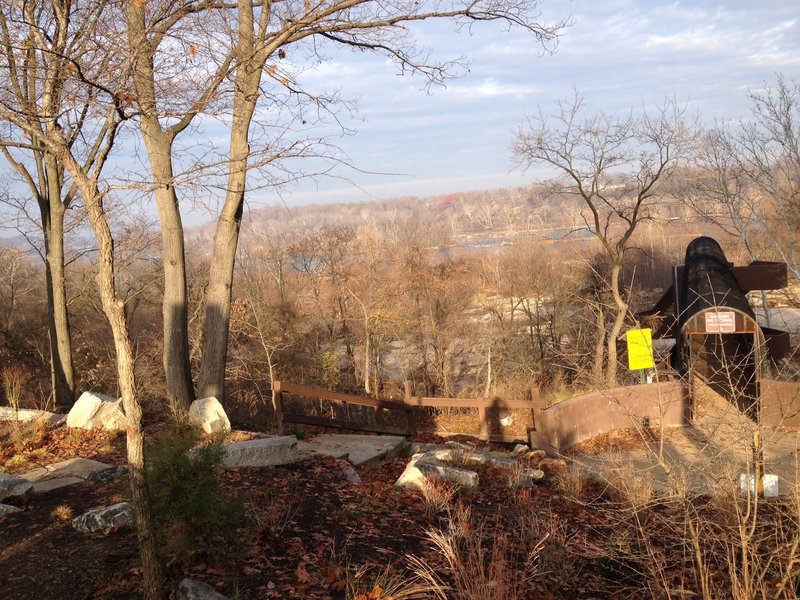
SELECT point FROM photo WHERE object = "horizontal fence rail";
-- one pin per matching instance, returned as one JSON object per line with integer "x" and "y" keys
{"x": 484, "y": 405}
{"x": 340, "y": 400}
{"x": 487, "y": 410}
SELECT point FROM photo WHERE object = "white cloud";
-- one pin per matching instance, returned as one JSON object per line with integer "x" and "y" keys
{"x": 620, "y": 53}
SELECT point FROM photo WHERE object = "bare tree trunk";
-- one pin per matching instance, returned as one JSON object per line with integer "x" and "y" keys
{"x": 175, "y": 304}
{"x": 114, "y": 309}
{"x": 211, "y": 380}
{"x": 616, "y": 328}
{"x": 159, "y": 143}
{"x": 600, "y": 344}
{"x": 61, "y": 367}
{"x": 250, "y": 65}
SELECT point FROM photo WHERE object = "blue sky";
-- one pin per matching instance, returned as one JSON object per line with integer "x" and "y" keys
{"x": 620, "y": 54}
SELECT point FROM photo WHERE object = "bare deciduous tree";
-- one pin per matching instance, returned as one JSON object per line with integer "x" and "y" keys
{"x": 615, "y": 166}
{"x": 68, "y": 35}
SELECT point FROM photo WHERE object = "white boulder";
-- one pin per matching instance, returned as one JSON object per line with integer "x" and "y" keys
{"x": 96, "y": 411}
{"x": 208, "y": 415}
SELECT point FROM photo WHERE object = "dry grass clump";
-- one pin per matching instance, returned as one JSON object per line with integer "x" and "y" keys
{"x": 555, "y": 565}
{"x": 437, "y": 495}
{"x": 270, "y": 514}
{"x": 572, "y": 482}
{"x": 62, "y": 513}
{"x": 373, "y": 583}
{"x": 482, "y": 564}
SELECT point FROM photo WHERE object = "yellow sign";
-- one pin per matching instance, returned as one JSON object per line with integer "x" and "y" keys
{"x": 640, "y": 349}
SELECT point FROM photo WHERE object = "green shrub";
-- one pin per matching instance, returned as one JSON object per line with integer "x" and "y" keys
{"x": 189, "y": 507}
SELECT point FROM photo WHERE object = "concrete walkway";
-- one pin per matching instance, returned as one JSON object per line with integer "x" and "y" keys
{"x": 708, "y": 455}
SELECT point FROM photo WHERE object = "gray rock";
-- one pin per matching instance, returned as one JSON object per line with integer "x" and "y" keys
{"x": 529, "y": 478}
{"x": 459, "y": 447}
{"x": 27, "y": 414}
{"x": 440, "y": 455}
{"x": 553, "y": 466}
{"x": 191, "y": 589}
{"x": 359, "y": 450}
{"x": 208, "y": 415}
{"x": 73, "y": 467}
{"x": 103, "y": 519}
{"x": 465, "y": 478}
{"x": 434, "y": 463}
{"x": 14, "y": 487}
{"x": 261, "y": 452}
{"x": 48, "y": 485}
{"x": 424, "y": 466}
{"x": 536, "y": 456}
{"x": 520, "y": 449}
{"x": 5, "y": 509}
{"x": 349, "y": 472}
{"x": 420, "y": 448}
{"x": 107, "y": 475}
{"x": 485, "y": 458}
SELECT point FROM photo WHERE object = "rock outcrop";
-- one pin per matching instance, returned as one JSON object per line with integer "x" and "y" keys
{"x": 262, "y": 452}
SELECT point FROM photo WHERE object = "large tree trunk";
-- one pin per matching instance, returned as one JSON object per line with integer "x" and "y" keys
{"x": 63, "y": 378}
{"x": 52, "y": 213}
{"x": 159, "y": 143}
{"x": 175, "y": 304}
{"x": 250, "y": 65}
{"x": 211, "y": 381}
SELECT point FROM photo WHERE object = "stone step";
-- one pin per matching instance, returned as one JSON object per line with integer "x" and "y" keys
{"x": 359, "y": 450}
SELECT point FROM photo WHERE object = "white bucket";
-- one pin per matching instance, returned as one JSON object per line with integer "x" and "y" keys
{"x": 770, "y": 484}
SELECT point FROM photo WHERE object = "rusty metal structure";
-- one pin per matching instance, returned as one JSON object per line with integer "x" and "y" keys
{"x": 718, "y": 341}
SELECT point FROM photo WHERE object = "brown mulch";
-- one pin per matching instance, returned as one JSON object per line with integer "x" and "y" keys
{"x": 304, "y": 532}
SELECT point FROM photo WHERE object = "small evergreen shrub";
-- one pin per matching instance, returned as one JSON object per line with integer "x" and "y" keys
{"x": 189, "y": 507}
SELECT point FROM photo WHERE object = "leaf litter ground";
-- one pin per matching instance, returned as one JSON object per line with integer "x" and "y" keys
{"x": 306, "y": 531}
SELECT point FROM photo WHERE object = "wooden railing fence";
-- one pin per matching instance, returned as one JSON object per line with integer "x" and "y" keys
{"x": 339, "y": 401}
{"x": 488, "y": 409}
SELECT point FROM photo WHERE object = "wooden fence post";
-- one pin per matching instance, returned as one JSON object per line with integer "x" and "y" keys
{"x": 277, "y": 405}
{"x": 538, "y": 406}
{"x": 412, "y": 414}
{"x": 482, "y": 414}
